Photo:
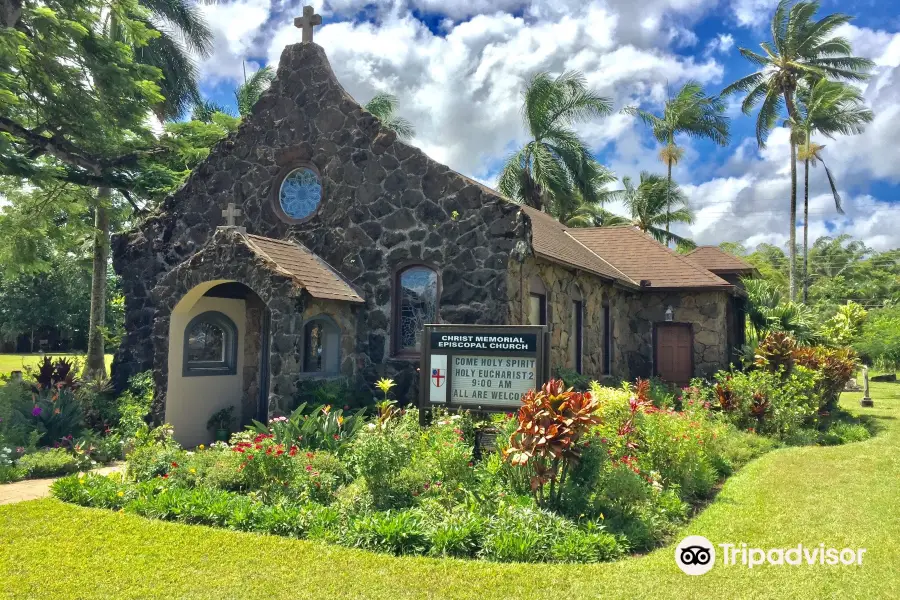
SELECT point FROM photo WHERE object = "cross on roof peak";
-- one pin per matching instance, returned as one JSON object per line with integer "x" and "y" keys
{"x": 307, "y": 22}
{"x": 230, "y": 214}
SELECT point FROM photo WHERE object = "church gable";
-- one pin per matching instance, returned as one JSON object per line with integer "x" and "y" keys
{"x": 311, "y": 166}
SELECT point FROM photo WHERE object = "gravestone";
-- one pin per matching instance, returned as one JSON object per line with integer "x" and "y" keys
{"x": 866, "y": 399}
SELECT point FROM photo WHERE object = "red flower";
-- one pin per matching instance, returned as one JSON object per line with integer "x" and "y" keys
{"x": 174, "y": 465}
{"x": 310, "y": 455}
{"x": 166, "y": 476}
{"x": 308, "y": 468}
{"x": 337, "y": 438}
{"x": 293, "y": 451}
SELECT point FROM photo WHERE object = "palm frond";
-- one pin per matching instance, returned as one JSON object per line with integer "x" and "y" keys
{"x": 249, "y": 92}
{"x": 186, "y": 19}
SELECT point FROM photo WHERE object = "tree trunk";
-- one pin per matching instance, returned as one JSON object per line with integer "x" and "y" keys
{"x": 95, "y": 365}
{"x": 793, "y": 236}
{"x": 668, "y": 201}
{"x": 788, "y": 92}
{"x": 806, "y": 224}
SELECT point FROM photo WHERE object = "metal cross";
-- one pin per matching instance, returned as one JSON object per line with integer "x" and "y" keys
{"x": 307, "y": 22}
{"x": 230, "y": 213}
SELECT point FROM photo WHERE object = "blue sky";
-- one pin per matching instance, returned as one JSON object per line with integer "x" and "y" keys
{"x": 458, "y": 66}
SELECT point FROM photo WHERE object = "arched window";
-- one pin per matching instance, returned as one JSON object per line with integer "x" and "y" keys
{"x": 210, "y": 345}
{"x": 415, "y": 304}
{"x": 321, "y": 347}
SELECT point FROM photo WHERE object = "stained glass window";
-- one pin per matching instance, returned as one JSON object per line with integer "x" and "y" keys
{"x": 418, "y": 306}
{"x": 210, "y": 345}
{"x": 300, "y": 194}
{"x": 206, "y": 343}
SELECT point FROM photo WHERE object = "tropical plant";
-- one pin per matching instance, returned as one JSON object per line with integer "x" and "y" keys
{"x": 768, "y": 311}
{"x": 322, "y": 428}
{"x": 800, "y": 48}
{"x": 651, "y": 205}
{"x": 690, "y": 112}
{"x": 551, "y": 423}
{"x": 555, "y": 162}
{"x": 828, "y": 108}
{"x": 573, "y": 211}
{"x": 248, "y": 93}
{"x": 845, "y": 325}
{"x": 384, "y": 106}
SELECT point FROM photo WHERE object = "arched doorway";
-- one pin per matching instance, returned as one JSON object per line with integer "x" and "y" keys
{"x": 218, "y": 357}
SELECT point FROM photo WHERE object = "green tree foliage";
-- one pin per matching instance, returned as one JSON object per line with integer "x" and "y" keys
{"x": 384, "y": 106}
{"x": 827, "y": 108}
{"x": 248, "y": 93}
{"x": 879, "y": 340}
{"x": 689, "y": 112}
{"x": 846, "y": 324}
{"x": 653, "y": 204}
{"x": 801, "y": 48}
{"x": 555, "y": 162}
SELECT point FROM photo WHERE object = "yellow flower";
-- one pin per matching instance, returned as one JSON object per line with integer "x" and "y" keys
{"x": 201, "y": 447}
{"x": 385, "y": 384}
{"x": 326, "y": 409}
{"x": 340, "y": 420}
{"x": 192, "y": 471}
{"x": 120, "y": 494}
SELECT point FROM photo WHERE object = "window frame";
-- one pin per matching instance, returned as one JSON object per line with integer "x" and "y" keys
{"x": 329, "y": 322}
{"x": 228, "y": 365}
{"x": 275, "y": 195}
{"x": 606, "y": 366}
{"x": 396, "y": 350}
{"x": 578, "y": 310}
{"x": 537, "y": 289}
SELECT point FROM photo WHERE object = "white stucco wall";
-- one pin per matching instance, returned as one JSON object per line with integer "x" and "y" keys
{"x": 190, "y": 401}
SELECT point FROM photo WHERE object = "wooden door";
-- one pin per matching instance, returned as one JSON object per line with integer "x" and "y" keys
{"x": 674, "y": 352}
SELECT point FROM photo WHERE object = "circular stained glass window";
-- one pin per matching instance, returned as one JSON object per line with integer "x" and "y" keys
{"x": 300, "y": 193}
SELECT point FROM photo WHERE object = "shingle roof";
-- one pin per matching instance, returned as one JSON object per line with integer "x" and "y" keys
{"x": 717, "y": 260}
{"x": 304, "y": 267}
{"x": 642, "y": 258}
{"x": 551, "y": 239}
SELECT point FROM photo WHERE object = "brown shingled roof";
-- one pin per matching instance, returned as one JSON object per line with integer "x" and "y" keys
{"x": 642, "y": 258}
{"x": 304, "y": 267}
{"x": 717, "y": 260}
{"x": 551, "y": 240}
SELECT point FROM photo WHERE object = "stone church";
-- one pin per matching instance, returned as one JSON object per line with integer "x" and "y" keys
{"x": 312, "y": 243}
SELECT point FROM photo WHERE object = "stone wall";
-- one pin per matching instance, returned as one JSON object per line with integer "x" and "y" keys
{"x": 705, "y": 311}
{"x": 384, "y": 204}
{"x": 563, "y": 285}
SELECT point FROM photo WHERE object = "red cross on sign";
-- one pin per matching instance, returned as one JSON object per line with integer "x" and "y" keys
{"x": 438, "y": 377}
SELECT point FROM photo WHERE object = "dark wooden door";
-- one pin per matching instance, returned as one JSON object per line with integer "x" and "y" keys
{"x": 674, "y": 352}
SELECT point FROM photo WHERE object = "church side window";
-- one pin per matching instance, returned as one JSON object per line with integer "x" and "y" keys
{"x": 416, "y": 303}
{"x": 321, "y": 347}
{"x": 210, "y": 345}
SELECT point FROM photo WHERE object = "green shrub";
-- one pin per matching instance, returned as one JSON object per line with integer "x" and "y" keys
{"x": 155, "y": 452}
{"x": 456, "y": 533}
{"x": 48, "y": 463}
{"x": 840, "y": 432}
{"x": 134, "y": 405}
{"x": 379, "y": 455}
{"x": 395, "y": 532}
{"x": 879, "y": 341}
{"x": 573, "y": 379}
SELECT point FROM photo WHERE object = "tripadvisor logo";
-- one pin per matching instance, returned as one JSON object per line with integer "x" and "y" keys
{"x": 696, "y": 555}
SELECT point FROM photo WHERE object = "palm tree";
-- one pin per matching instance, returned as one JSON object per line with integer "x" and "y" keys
{"x": 825, "y": 107}
{"x": 573, "y": 210}
{"x": 650, "y": 204}
{"x": 181, "y": 32}
{"x": 555, "y": 162}
{"x": 384, "y": 106}
{"x": 690, "y": 112}
{"x": 248, "y": 93}
{"x": 800, "y": 48}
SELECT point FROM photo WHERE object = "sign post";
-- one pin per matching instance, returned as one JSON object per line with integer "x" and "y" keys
{"x": 481, "y": 367}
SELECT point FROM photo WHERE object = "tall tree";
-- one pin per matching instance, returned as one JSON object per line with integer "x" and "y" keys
{"x": 801, "y": 48}
{"x": 653, "y": 203}
{"x": 689, "y": 112}
{"x": 384, "y": 106}
{"x": 828, "y": 108}
{"x": 555, "y": 161}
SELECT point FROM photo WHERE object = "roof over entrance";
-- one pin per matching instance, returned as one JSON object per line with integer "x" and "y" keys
{"x": 308, "y": 270}
{"x": 717, "y": 260}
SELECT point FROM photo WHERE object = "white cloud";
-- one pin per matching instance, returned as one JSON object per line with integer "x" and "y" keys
{"x": 752, "y": 13}
{"x": 721, "y": 44}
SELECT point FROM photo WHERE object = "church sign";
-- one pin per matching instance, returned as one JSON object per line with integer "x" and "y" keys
{"x": 481, "y": 367}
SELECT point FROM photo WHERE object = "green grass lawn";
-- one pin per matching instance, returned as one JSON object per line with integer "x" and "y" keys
{"x": 846, "y": 496}
{"x": 17, "y": 362}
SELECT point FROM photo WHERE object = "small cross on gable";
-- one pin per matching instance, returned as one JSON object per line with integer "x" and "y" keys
{"x": 307, "y": 22}
{"x": 230, "y": 214}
